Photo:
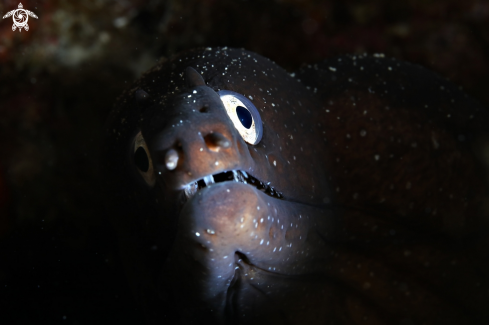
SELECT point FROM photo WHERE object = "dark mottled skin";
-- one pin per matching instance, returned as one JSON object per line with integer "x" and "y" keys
{"x": 381, "y": 165}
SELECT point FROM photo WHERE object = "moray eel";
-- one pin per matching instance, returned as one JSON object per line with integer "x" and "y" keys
{"x": 352, "y": 191}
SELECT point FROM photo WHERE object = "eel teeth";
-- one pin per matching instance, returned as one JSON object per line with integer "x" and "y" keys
{"x": 232, "y": 175}
{"x": 191, "y": 189}
{"x": 240, "y": 176}
{"x": 235, "y": 176}
{"x": 208, "y": 180}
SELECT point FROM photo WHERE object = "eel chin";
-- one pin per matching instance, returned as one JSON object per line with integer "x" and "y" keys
{"x": 240, "y": 255}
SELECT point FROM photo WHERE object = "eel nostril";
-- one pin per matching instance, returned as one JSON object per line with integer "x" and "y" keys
{"x": 193, "y": 78}
{"x": 216, "y": 141}
{"x": 204, "y": 109}
{"x": 171, "y": 159}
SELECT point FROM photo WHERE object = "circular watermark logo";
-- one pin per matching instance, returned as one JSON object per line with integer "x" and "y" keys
{"x": 20, "y": 17}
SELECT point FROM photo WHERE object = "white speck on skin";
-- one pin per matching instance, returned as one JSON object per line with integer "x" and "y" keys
{"x": 197, "y": 234}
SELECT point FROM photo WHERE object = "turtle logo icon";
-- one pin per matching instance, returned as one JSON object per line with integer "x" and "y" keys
{"x": 20, "y": 17}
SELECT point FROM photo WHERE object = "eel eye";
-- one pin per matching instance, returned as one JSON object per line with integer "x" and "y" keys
{"x": 243, "y": 114}
{"x": 142, "y": 160}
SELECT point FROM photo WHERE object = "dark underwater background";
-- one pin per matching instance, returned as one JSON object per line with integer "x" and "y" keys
{"x": 58, "y": 81}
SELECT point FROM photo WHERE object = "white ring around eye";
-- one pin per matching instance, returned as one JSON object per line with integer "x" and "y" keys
{"x": 231, "y": 101}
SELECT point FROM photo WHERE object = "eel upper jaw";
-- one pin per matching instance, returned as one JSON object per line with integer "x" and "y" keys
{"x": 235, "y": 175}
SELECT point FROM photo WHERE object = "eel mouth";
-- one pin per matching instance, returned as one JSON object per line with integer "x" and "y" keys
{"x": 239, "y": 176}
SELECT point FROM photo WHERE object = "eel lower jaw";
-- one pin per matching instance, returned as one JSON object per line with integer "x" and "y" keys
{"x": 236, "y": 175}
